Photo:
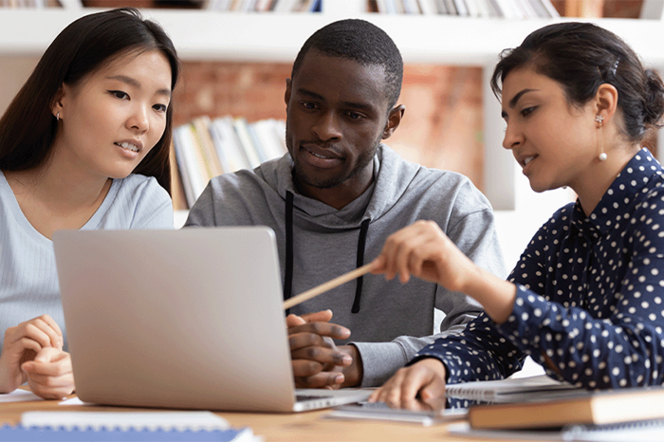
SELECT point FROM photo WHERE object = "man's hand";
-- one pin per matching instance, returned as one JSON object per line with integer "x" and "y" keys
{"x": 50, "y": 374}
{"x": 22, "y": 343}
{"x": 316, "y": 360}
{"x": 418, "y": 387}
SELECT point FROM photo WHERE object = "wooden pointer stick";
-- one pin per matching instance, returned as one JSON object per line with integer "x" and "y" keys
{"x": 329, "y": 285}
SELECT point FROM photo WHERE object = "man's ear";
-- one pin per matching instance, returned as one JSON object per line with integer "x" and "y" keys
{"x": 287, "y": 95}
{"x": 393, "y": 120}
{"x": 606, "y": 101}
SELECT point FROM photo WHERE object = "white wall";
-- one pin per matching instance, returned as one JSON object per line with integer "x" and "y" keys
{"x": 14, "y": 70}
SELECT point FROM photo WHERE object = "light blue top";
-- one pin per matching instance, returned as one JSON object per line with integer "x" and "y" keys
{"x": 28, "y": 278}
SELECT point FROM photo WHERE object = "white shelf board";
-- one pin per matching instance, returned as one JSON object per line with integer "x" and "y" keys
{"x": 208, "y": 35}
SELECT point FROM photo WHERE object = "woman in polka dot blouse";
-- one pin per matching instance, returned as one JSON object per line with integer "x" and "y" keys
{"x": 586, "y": 298}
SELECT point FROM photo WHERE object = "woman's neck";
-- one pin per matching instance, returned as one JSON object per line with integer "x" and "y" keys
{"x": 53, "y": 197}
{"x": 594, "y": 183}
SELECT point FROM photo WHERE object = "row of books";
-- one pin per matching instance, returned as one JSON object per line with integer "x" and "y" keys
{"x": 205, "y": 148}
{"x": 36, "y": 4}
{"x": 279, "y": 6}
{"x": 285, "y": 6}
{"x": 517, "y": 9}
{"x": 465, "y": 8}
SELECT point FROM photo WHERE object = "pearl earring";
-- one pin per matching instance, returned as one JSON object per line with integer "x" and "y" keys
{"x": 57, "y": 116}
{"x": 600, "y": 119}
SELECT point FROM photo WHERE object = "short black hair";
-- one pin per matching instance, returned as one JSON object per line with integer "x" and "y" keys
{"x": 363, "y": 42}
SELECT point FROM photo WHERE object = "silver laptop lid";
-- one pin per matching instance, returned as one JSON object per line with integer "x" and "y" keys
{"x": 187, "y": 318}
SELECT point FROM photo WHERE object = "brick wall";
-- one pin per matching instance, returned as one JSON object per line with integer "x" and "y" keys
{"x": 442, "y": 126}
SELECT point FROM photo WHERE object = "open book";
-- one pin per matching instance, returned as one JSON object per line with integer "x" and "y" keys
{"x": 512, "y": 389}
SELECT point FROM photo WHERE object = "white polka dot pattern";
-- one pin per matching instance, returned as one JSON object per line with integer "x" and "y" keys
{"x": 589, "y": 296}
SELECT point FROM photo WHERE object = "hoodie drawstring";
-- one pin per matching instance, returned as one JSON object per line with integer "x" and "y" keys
{"x": 288, "y": 277}
{"x": 360, "y": 262}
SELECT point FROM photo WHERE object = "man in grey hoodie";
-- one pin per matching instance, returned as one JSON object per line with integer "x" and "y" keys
{"x": 335, "y": 198}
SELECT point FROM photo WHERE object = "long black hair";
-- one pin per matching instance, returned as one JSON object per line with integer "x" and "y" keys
{"x": 28, "y": 127}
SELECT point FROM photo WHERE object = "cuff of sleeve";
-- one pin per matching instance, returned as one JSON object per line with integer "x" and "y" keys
{"x": 456, "y": 369}
{"x": 380, "y": 360}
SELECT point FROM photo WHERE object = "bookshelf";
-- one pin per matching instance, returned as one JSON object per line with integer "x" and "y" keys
{"x": 426, "y": 39}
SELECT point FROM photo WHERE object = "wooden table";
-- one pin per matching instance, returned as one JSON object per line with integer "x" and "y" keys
{"x": 307, "y": 426}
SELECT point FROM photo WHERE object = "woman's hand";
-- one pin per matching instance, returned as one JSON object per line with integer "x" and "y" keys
{"x": 424, "y": 251}
{"x": 21, "y": 344}
{"x": 50, "y": 375}
{"x": 418, "y": 387}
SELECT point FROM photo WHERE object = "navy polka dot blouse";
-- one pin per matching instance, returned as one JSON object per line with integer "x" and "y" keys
{"x": 589, "y": 295}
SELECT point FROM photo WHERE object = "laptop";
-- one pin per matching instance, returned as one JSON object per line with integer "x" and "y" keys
{"x": 189, "y": 319}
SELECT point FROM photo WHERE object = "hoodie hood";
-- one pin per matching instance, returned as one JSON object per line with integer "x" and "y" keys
{"x": 392, "y": 178}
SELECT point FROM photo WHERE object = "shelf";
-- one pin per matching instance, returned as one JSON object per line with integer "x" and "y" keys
{"x": 434, "y": 39}
{"x": 207, "y": 35}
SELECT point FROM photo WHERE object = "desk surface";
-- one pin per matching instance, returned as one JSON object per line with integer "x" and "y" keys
{"x": 307, "y": 426}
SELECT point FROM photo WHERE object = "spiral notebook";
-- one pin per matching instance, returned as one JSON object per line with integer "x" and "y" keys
{"x": 20, "y": 434}
{"x": 72, "y": 426}
{"x": 512, "y": 390}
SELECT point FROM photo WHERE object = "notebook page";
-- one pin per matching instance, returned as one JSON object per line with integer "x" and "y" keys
{"x": 19, "y": 395}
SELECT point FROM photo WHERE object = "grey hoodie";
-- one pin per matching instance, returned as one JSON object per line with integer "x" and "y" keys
{"x": 389, "y": 321}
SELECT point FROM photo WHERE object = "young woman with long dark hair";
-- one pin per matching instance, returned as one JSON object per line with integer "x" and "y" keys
{"x": 83, "y": 145}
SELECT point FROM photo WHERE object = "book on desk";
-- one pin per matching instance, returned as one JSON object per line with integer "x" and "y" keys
{"x": 625, "y": 415}
{"x": 586, "y": 408}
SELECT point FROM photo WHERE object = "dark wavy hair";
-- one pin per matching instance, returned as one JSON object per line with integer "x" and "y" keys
{"x": 363, "y": 42}
{"x": 583, "y": 56}
{"x": 28, "y": 128}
